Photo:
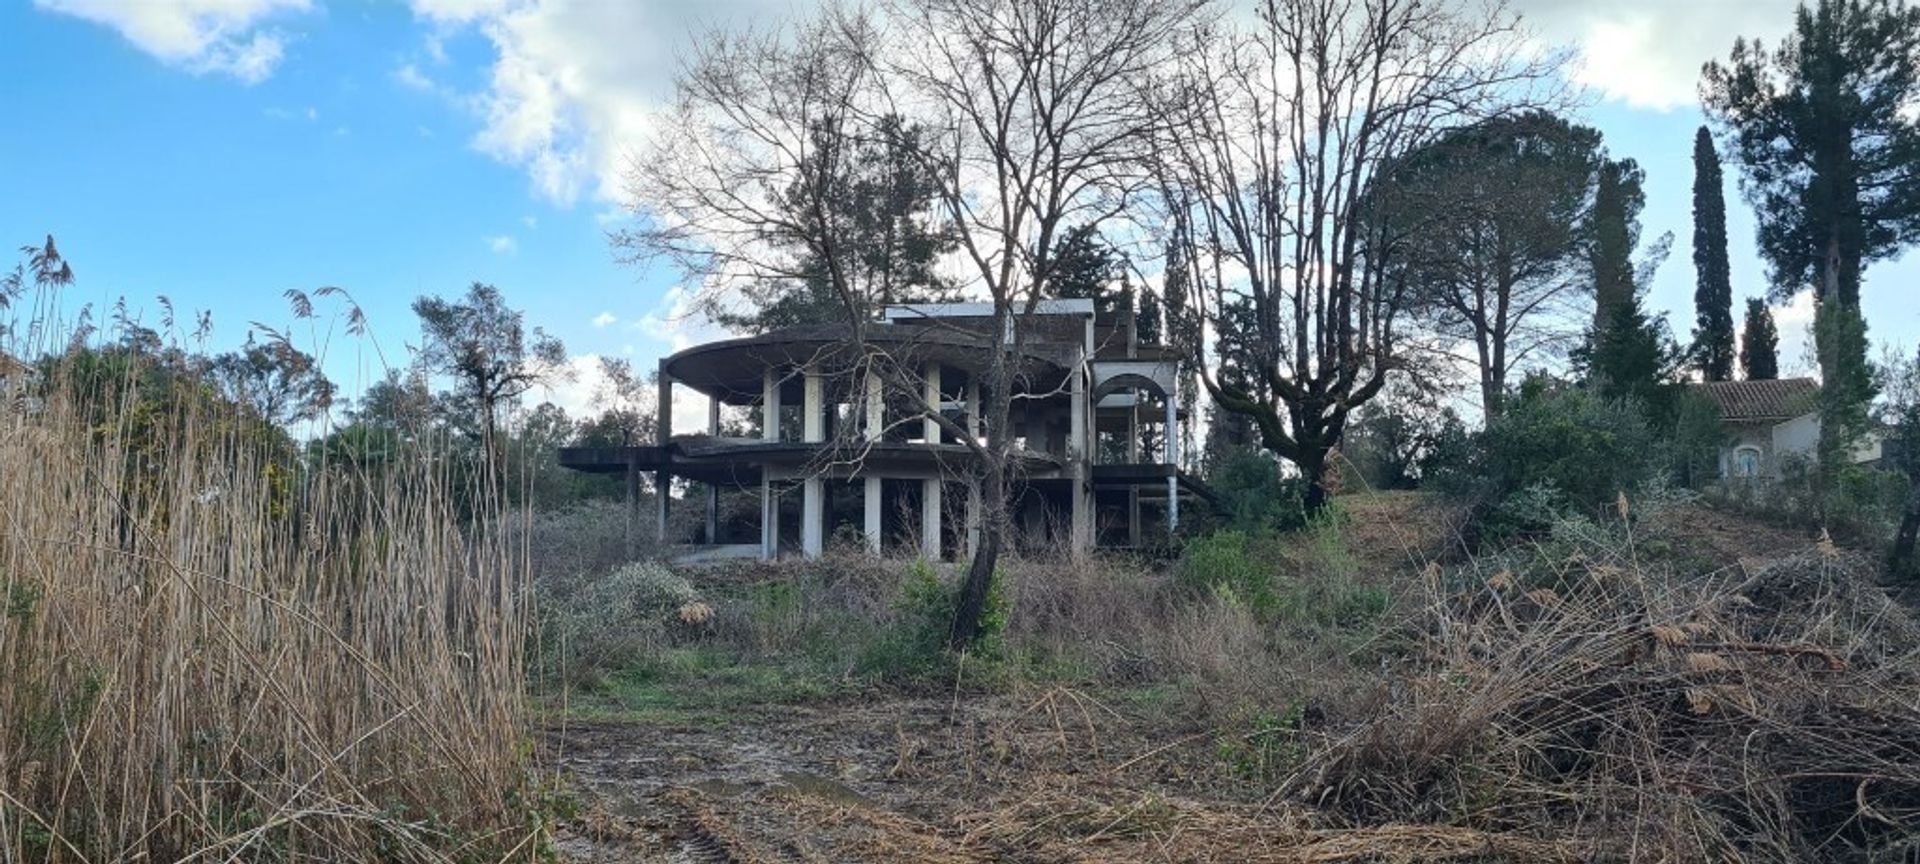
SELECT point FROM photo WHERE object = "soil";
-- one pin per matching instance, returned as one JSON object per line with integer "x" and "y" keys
{"x": 1041, "y": 776}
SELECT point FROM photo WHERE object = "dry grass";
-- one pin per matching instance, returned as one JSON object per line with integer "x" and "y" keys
{"x": 208, "y": 653}
{"x": 1765, "y": 716}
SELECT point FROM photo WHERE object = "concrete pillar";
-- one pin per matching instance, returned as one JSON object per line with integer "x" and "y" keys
{"x": 876, "y": 408}
{"x": 769, "y": 521}
{"x": 931, "y": 431}
{"x": 1080, "y": 459}
{"x": 930, "y": 519}
{"x": 1173, "y": 459}
{"x": 769, "y": 431}
{"x": 770, "y": 405}
{"x": 813, "y": 426}
{"x": 974, "y": 418}
{"x": 1133, "y": 458}
{"x": 813, "y": 500}
{"x": 813, "y": 516}
{"x": 872, "y": 525}
{"x": 713, "y": 489}
{"x": 662, "y": 480}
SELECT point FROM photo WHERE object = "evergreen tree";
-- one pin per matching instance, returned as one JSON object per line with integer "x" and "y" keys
{"x": 1713, "y": 293}
{"x": 1627, "y": 355}
{"x": 1085, "y": 268}
{"x": 1493, "y": 252}
{"x": 1613, "y": 231}
{"x": 1824, "y": 130}
{"x": 875, "y": 197}
{"x": 1759, "y": 343}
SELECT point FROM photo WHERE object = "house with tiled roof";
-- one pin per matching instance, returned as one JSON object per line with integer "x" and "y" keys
{"x": 1771, "y": 424}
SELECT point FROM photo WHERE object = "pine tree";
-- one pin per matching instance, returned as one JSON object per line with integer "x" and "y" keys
{"x": 1713, "y": 293}
{"x": 1825, "y": 132}
{"x": 1759, "y": 343}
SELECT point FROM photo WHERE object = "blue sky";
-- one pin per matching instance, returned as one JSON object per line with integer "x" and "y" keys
{"x": 220, "y": 152}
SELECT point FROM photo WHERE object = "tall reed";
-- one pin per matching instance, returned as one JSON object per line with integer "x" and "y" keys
{"x": 216, "y": 647}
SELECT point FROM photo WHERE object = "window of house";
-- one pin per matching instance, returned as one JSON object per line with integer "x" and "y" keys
{"x": 1746, "y": 461}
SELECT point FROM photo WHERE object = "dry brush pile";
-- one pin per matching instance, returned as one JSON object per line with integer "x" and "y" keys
{"x": 209, "y": 651}
{"x": 1741, "y": 716}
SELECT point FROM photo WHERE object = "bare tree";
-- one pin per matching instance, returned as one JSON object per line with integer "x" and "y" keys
{"x": 1279, "y": 133}
{"x": 1034, "y": 120}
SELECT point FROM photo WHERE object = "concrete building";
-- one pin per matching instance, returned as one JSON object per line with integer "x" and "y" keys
{"x": 844, "y": 446}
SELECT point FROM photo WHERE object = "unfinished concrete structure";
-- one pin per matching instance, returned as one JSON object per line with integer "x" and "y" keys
{"x": 842, "y": 449}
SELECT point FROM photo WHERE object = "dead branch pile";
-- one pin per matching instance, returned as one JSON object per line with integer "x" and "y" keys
{"x": 1766, "y": 716}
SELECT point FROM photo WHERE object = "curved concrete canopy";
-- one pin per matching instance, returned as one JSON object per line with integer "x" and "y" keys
{"x": 733, "y": 369}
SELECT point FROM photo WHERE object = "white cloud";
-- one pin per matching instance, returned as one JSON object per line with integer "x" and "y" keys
{"x": 410, "y": 77}
{"x": 573, "y": 84}
{"x": 604, "y": 318}
{"x": 503, "y": 244}
{"x": 530, "y": 221}
{"x": 1648, "y": 53}
{"x": 201, "y": 36}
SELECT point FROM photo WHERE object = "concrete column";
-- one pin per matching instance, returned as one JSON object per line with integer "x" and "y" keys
{"x": 1080, "y": 459}
{"x": 873, "y": 525}
{"x": 931, "y": 431}
{"x": 876, "y": 408}
{"x": 770, "y": 405}
{"x": 813, "y": 516}
{"x": 1133, "y": 458}
{"x": 813, "y": 426}
{"x": 930, "y": 519}
{"x": 813, "y": 501}
{"x": 1173, "y": 459}
{"x": 769, "y": 521}
{"x": 662, "y": 480}
{"x": 713, "y": 489}
{"x": 974, "y": 418}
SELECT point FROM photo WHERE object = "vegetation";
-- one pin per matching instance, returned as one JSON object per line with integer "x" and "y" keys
{"x": 1824, "y": 130}
{"x": 245, "y": 618}
{"x": 215, "y": 647}
{"x": 1759, "y": 343}
{"x": 1713, "y": 293}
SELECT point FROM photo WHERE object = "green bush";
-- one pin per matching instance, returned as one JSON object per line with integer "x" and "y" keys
{"x": 1253, "y": 495}
{"x": 1301, "y": 577}
{"x": 1221, "y": 563}
{"x": 1556, "y": 448}
{"x": 914, "y": 648}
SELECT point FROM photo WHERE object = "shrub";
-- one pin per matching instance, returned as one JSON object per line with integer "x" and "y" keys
{"x": 1556, "y": 448}
{"x": 1221, "y": 563}
{"x": 1254, "y": 496}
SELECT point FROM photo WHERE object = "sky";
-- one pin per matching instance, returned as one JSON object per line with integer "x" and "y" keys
{"x": 221, "y": 152}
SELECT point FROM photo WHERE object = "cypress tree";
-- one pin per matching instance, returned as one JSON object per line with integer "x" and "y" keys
{"x": 1824, "y": 131}
{"x": 1760, "y": 343}
{"x": 1626, "y": 352}
{"x": 1713, "y": 293}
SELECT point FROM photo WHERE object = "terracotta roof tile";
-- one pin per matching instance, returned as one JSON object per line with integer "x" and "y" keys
{"x": 1755, "y": 401}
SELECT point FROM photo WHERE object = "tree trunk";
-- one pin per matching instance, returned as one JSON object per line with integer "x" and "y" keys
{"x": 973, "y": 592}
{"x": 1313, "y": 467}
